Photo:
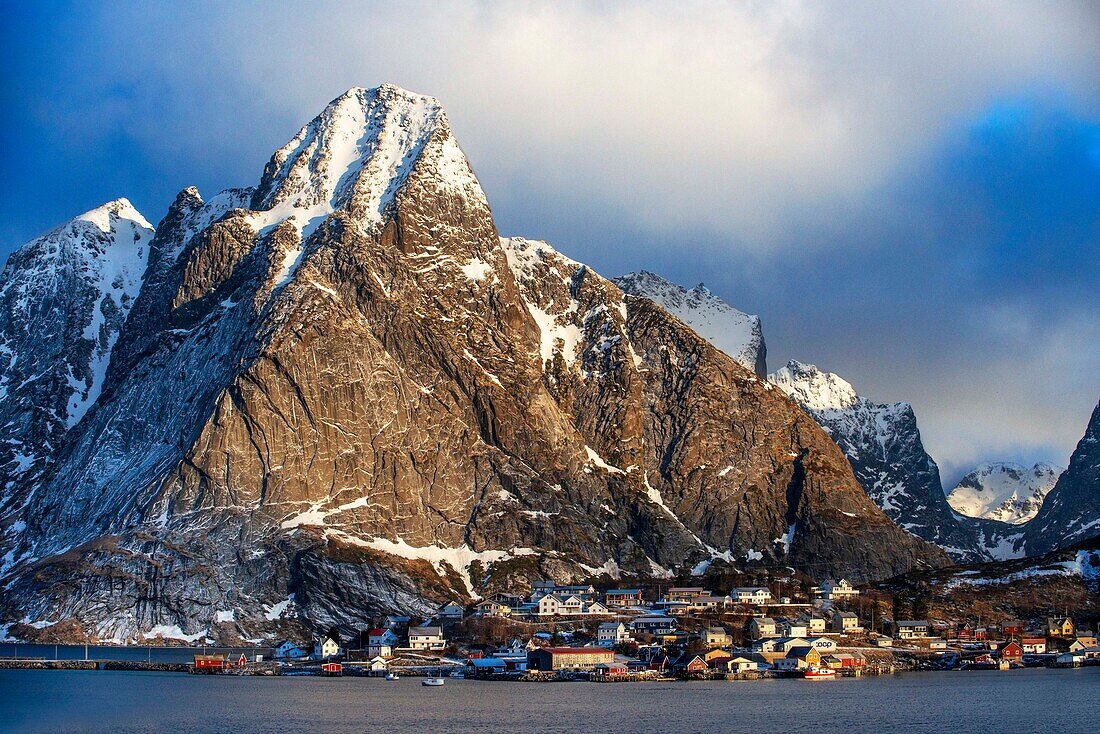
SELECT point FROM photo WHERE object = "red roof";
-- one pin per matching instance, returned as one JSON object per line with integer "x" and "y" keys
{"x": 376, "y": 632}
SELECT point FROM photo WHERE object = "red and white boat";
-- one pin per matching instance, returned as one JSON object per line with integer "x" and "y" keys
{"x": 815, "y": 673}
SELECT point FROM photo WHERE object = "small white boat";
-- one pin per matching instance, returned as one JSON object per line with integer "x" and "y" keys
{"x": 457, "y": 674}
{"x": 432, "y": 682}
{"x": 391, "y": 676}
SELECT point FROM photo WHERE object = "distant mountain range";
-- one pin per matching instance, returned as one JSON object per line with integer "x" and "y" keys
{"x": 994, "y": 513}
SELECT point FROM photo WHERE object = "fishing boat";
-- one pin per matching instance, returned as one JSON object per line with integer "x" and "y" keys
{"x": 391, "y": 676}
{"x": 815, "y": 673}
{"x": 432, "y": 682}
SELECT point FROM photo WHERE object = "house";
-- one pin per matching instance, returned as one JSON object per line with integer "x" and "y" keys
{"x": 584, "y": 592}
{"x": 654, "y": 625}
{"x": 737, "y": 664}
{"x": 606, "y": 669}
{"x": 492, "y": 608}
{"x": 1033, "y": 645}
{"x": 1011, "y": 651}
{"x": 841, "y": 660}
{"x": 798, "y": 658}
{"x": 815, "y": 625}
{"x": 550, "y": 606}
{"x": 622, "y": 597}
{"x": 753, "y": 595}
{"x": 691, "y": 664}
{"x": 937, "y": 643}
{"x": 685, "y": 594}
{"x": 394, "y": 622}
{"x": 571, "y": 605}
{"x": 568, "y": 658}
{"x": 761, "y": 627}
{"x": 910, "y": 629}
{"x": 485, "y": 666}
{"x": 845, "y": 623}
{"x": 1060, "y": 627}
{"x": 211, "y": 662}
{"x": 1013, "y": 628}
{"x": 325, "y": 648}
{"x": 609, "y": 634}
{"x": 1082, "y": 642}
{"x": 717, "y": 637}
{"x": 426, "y": 638}
{"x": 713, "y": 602}
{"x": 451, "y": 610}
{"x": 883, "y": 641}
{"x": 795, "y": 628}
{"x": 381, "y": 641}
{"x": 595, "y": 608}
{"x": 836, "y": 590}
{"x": 287, "y": 650}
{"x": 378, "y": 665}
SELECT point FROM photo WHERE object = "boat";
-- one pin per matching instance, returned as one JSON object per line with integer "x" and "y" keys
{"x": 391, "y": 676}
{"x": 815, "y": 673}
{"x": 432, "y": 682}
{"x": 457, "y": 674}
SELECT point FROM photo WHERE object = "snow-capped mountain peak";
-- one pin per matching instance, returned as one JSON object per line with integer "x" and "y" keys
{"x": 814, "y": 388}
{"x": 1002, "y": 491}
{"x": 734, "y": 332}
{"x": 356, "y": 154}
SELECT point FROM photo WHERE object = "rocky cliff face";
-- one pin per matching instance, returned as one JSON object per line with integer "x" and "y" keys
{"x": 340, "y": 394}
{"x": 884, "y": 446}
{"x": 1071, "y": 511}
{"x": 64, "y": 298}
{"x": 1006, "y": 492}
{"x": 736, "y": 333}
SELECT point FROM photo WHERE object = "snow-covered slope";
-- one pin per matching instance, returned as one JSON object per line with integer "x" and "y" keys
{"x": 736, "y": 333}
{"x": 1007, "y": 492}
{"x": 883, "y": 444}
{"x": 64, "y": 298}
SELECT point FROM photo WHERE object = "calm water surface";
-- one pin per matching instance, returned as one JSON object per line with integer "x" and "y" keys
{"x": 1060, "y": 701}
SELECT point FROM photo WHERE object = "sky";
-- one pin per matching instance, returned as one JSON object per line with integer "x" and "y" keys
{"x": 907, "y": 193}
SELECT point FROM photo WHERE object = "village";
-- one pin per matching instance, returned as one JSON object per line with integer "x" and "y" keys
{"x": 570, "y": 632}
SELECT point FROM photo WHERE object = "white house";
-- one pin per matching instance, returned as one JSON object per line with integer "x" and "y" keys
{"x": 713, "y": 602}
{"x": 754, "y": 595}
{"x": 451, "y": 610}
{"x": 836, "y": 590}
{"x": 426, "y": 638}
{"x": 377, "y": 665}
{"x": 550, "y": 605}
{"x": 717, "y": 637}
{"x": 287, "y": 650}
{"x": 381, "y": 641}
{"x": 610, "y": 634}
{"x": 761, "y": 627}
{"x": 326, "y": 648}
{"x": 815, "y": 625}
{"x": 572, "y": 604}
{"x": 910, "y": 629}
{"x": 845, "y": 623}
{"x": 596, "y": 608}
{"x": 795, "y": 628}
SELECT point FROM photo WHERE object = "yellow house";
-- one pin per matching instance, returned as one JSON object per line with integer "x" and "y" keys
{"x": 1060, "y": 627}
{"x": 713, "y": 654}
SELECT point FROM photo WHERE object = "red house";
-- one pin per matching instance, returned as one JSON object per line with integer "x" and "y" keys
{"x": 210, "y": 662}
{"x": 1013, "y": 628}
{"x": 1011, "y": 651}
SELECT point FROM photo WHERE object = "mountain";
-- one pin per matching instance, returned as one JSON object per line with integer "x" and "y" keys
{"x": 340, "y": 393}
{"x": 64, "y": 298}
{"x": 883, "y": 444}
{"x": 736, "y": 333}
{"x": 1006, "y": 492}
{"x": 1071, "y": 510}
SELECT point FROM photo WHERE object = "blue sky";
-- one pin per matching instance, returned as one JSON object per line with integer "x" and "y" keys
{"x": 908, "y": 194}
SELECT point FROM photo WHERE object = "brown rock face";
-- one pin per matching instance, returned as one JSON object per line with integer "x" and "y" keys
{"x": 356, "y": 398}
